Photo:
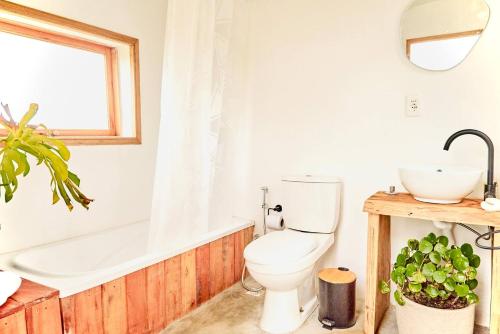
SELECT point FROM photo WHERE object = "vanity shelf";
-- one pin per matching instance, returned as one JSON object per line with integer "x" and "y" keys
{"x": 380, "y": 207}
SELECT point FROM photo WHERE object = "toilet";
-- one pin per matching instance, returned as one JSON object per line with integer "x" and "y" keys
{"x": 284, "y": 261}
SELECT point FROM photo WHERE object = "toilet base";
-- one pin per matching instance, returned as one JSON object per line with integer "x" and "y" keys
{"x": 281, "y": 313}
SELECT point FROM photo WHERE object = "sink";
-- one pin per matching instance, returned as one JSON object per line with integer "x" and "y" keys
{"x": 440, "y": 184}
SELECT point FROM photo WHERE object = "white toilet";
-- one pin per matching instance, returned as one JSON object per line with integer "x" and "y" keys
{"x": 284, "y": 261}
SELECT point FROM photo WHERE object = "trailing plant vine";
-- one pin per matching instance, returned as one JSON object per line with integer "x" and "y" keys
{"x": 24, "y": 140}
{"x": 433, "y": 274}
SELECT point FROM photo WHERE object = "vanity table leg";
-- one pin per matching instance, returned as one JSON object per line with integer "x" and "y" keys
{"x": 378, "y": 268}
{"x": 495, "y": 289}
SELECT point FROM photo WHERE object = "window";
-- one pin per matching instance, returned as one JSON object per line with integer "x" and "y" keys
{"x": 85, "y": 79}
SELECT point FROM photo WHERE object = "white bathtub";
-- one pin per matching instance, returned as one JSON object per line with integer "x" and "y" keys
{"x": 80, "y": 263}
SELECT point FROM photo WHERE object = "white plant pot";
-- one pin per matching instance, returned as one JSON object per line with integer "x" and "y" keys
{"x": 414, "y": 318}
{"x": 9, "y": 283}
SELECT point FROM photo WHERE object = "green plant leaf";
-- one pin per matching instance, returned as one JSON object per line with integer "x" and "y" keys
{"x": 411, "y": 268}
{"x": 467, "y": 250}
{"x": 449, "y": 284}
{"x": 428, "y": 269}
{"x": 475, "y": 261}
{"x": 425, "y": 246}
{"x": 435, "y": 257}
{"x": 384, "y": 287}
{"x": 418, "y": 256}
{"x": 459, "y": 277}
{"x": 73, "y": 177}
{"x": 401, "y": 260}
{"x": 431, "y": 237}
{"x": 462, "y": 290}
{"x": 398, "y": 296}
{"x": 471, "y": 273}
{"x": 472, "y": 298}
{"x": 432, "y": 291}
{"x": 418, "y": 277}
{"x": 443, "y": 240}
{"x": 398, "y": 276}
{"x": 454, "y": 253}
{"x": 413, "y": 244}
{"x": 472, "y": 284}
{"x": 415, "y": 287}
{"x": 440, "y": 248}
{"x": 439, "y": 276}
{"x": 461, "y": 263}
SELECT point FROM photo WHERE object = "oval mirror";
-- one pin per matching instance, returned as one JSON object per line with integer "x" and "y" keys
{"x": 439, "y": 34}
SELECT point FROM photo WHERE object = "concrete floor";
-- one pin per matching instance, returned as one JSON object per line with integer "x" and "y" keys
{"x": 237, "y": 311}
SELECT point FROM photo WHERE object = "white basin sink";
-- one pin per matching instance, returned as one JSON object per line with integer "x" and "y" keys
{"x": 440, "y": 184}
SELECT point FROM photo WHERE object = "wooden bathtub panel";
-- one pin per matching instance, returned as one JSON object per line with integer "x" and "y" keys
{"x": 31, "y": 293}
{"x": 202, "y": 274}
{"x": 156, "y": 297}
{"x": 216, "y": 268}
{"x": 44, "y": 317}
{"x": 137, "y": 315}
{"x": 188, "y": 280}
{"x": 228, "y": 260}
{"x": 14, "y": 323}
{"x": 68, "y": 314}
{"x": 114, "y": 306}
{"x": 173, "y": 288}
{"x": 239, "y": 247}
{"x": 88, "y": 312}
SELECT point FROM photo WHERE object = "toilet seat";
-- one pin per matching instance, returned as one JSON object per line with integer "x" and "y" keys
{"x": 281, "y": 247}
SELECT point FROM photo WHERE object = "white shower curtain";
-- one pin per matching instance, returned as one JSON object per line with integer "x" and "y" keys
{"x": 204, "y": 119}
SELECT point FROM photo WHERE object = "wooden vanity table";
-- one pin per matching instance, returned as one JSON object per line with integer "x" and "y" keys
{"x": 380, "y": 207}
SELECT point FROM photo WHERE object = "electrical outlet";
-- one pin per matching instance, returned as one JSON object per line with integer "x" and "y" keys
{"x": 412, "y": 107}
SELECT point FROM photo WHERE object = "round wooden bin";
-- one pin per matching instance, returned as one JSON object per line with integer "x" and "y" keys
{"x": 337, "y": 298}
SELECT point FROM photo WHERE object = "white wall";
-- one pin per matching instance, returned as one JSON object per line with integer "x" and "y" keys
{"x": 330, "y": 80}
{"x": 119, "y": 178}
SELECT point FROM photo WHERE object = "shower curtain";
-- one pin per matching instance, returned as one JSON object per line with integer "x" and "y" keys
{"x": 201, "y": 167}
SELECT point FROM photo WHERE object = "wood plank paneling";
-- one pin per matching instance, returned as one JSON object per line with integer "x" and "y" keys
{"x": 13, "y": 324}
{"x": 10, "y": 307}
{"x": 156, "y": 297}
{"x": 68, "y": 314}
{"x": 88, "y": 311}
{"x": 173, "y": 285}
{"x": 216, "y": 268}
{"x": 239, "y": 247}
{"x": 228, "y": 260}
{"x": 44, "y": 317}
{"x": 202, "y": 274}
{"x": 32, "y": 293}
{"x": 137, "y": 307}
{"x": 378, "y": 268}
{"x": 114, "y": 306}
{"x": 188, "y": 280}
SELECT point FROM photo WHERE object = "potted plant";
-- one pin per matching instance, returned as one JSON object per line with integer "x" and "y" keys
{"x": 435, "y": 286}
{"x": 24, "y": 140}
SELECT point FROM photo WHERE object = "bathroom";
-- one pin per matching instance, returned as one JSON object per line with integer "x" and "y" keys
{"x": 315, "y": 87}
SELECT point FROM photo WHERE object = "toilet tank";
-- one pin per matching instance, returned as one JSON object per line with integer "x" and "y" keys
{"x": 311, "y": 203}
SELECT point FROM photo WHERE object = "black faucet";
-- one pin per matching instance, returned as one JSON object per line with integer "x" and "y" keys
{"x": 490, "y": 188}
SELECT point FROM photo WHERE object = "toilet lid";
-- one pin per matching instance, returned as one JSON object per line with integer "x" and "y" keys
{"x": 280, "y": 247}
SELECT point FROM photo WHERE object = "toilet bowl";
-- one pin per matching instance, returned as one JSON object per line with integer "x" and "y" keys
{"x": 284, "y": 262}
{"x": 281, "y": 262}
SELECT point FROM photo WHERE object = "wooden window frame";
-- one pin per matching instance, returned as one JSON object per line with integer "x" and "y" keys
{"x": 112, "y": 135}
{"x": 411, "y": 41}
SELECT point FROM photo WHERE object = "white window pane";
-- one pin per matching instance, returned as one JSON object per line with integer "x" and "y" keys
{"x": 69, "y": 84}
{"x": 442, "y": 54}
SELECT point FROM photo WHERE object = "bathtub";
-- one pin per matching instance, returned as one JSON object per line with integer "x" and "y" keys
{"x": 80, "y": 263}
